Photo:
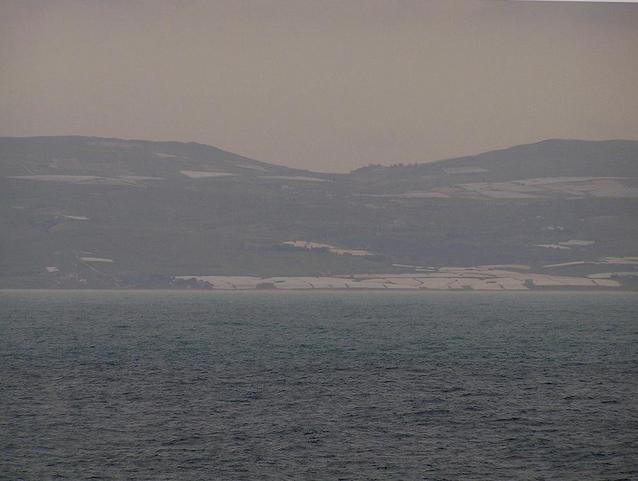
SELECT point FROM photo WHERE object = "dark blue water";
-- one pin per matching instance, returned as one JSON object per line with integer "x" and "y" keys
{"x": 333, "y": 385}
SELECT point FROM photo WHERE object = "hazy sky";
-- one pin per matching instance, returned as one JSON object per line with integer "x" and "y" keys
{"x": 321, "y": 84}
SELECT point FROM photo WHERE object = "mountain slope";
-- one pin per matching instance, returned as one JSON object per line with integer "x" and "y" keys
{"x": 117, "y": 157}
{"x": 79, "y": 211}
{"x": 549, "y": 158}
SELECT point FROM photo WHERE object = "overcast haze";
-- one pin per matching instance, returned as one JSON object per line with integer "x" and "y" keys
{"x": 324, "y": 85}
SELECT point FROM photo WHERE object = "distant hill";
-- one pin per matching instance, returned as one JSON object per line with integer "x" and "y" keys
{"x": 112, "y": 157}
{"x": 96, "y": 212}
{"x": 549, "y": 158}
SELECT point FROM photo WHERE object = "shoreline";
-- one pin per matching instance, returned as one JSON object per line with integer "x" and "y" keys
{"x": 352, "y": 290}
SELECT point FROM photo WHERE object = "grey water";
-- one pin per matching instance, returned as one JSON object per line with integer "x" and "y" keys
{"x": 120, "y": 385}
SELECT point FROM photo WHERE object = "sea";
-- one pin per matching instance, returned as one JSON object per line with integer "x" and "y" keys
{"x": 328, "y": 385}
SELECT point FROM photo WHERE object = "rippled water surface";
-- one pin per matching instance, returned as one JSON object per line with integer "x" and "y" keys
{"x": 334, "y": 385}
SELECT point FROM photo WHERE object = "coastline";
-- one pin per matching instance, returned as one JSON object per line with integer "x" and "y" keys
{"x": 340, "y": 290}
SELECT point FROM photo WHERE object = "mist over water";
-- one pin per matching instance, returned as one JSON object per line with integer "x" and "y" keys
{"x": 331, "y": 385}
